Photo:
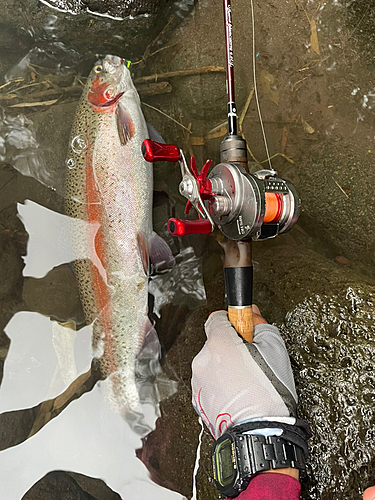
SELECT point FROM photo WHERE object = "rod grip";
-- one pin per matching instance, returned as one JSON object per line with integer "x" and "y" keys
{"x": 239, "y": 288}
{"x": 242, "y": 320}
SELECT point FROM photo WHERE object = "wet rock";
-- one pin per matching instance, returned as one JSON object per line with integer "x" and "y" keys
{"x": 115, "y": 8}
{"x": 84, "y": 28}
{"x": 7, "y": 308}
{"x": 55, "y": 295}
{"x": 12, "y": 43}
{"x": 329, "y": 331}
{"x": 19, "y": 425}
{"x": 331, "y": 338}
{"x": 345, "y": 220}
{"x": 16, "y": 426}
{"x": 49, "y": 126}
{"x": 170, "y": 451}
{"x": 60, "y": 485}
{"x": 10, "y": 266}
{"x": 333, "y": 156}
{"x": 202, "y": 45}
{"x": 362, "y": 12}
{"x": 326, "y": 315}
{"x": 95, "y": 487}
{"x": 286, "y": 275}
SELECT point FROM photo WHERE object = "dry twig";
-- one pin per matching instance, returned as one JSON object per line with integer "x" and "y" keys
{"x": 340, "y": 188}
{"x": 167, "y": 116}
{"x": 187, "y": 72}
{"x": 32, "y": 104}
{"x": 147, "y": 53}
{"x": 289, "y": 160}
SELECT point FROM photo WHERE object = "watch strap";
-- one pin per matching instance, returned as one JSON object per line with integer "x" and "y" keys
{"x": 254, "y": 452}
{"x": 298, "y": 433}
{"x": 259, "y": 453}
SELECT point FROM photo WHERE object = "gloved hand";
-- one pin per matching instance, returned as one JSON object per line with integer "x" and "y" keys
{"x": 234, "y": 381}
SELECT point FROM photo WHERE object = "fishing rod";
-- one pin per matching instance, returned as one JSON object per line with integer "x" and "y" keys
{"x": 245, "y": 207}
{"x": 238, "y": 264}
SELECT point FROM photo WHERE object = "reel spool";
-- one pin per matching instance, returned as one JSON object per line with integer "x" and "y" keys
{"x": 243, "y": 206}
{"x": 251, "y": 206}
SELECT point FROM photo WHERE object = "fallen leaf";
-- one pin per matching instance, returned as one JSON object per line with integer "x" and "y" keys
{"x": 197, "y": 141}
{"x": 306, "y": 127}
{"x": 342, "y": 260}
{"x": 217, "y": 132}
{"x": 314, "y": 44}
{"x": 266, "y": 80}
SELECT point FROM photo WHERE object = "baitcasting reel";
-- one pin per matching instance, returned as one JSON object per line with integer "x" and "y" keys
{"x": 244, "y": 206}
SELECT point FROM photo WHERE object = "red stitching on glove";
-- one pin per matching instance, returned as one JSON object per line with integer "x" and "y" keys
{"x": 200, "y": 406}
{"x": 224, "y": 421}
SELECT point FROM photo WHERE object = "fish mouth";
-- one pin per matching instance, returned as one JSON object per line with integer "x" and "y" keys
{"x": 101, "y": 94}
{"x": 113, "y": 101}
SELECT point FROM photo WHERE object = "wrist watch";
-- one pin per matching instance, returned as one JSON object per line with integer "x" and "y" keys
{"x": 238, "y": 456}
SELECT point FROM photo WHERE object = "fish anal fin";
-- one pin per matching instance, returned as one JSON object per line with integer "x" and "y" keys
{"x": 150, "y": 347}
{"x": 125, "y": 125}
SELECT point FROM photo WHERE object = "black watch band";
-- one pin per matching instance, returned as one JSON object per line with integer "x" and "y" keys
{"x": 260, "y": 453}
{"x": 239, "y": 456}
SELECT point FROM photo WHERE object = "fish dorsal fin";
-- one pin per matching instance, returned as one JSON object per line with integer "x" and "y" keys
{"x": 125, "y": 125}
{"x": 160, "y": 254}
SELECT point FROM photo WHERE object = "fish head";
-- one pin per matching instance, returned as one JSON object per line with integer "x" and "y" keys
{"x": 108, "y": 81}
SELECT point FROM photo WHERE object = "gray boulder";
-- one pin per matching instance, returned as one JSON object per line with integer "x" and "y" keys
{"x": 329, "y": 331}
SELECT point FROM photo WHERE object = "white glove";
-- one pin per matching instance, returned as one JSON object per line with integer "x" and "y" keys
{"x": 234, "y": 381}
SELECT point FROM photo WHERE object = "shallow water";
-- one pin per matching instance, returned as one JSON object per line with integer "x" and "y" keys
{"x": 55, "y": 412}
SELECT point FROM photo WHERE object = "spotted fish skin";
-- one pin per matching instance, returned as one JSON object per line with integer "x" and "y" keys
{"x": 109, "y": 185}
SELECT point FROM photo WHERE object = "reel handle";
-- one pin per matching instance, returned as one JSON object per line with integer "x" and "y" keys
{"x": 178, "y": 227}
{"x": 155, "y": 151}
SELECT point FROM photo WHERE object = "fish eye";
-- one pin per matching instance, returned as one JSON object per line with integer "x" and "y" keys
{"x": 98, "y": 68}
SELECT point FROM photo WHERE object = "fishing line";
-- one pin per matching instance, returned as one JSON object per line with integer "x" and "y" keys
{"x": 198, "y": 456}
{"x": 256, "y": 88}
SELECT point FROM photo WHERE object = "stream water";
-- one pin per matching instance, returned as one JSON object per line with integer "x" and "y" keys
{"x": 59, "y": 434}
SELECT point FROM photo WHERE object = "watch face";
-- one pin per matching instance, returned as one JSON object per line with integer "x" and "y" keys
{"x": 225, "y": 463}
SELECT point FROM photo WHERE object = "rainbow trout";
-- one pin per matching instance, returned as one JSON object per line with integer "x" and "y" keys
{"x": 110, "y": 185}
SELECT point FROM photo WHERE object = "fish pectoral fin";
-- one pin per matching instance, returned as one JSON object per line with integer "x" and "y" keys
{"x": 143, "y": 252}
{"x": 160, "y": 254}
{"x": 125, "y": 124}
